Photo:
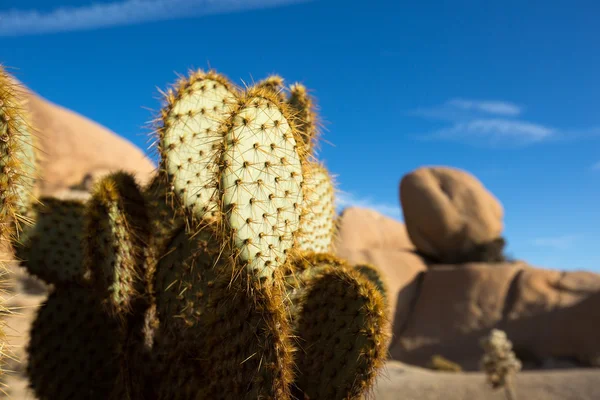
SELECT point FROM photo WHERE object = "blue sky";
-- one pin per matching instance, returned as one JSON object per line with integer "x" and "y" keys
{"x": 505, "y": 90}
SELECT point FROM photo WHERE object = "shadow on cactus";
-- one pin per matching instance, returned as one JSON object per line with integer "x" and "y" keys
{"x": 215, "y": 281}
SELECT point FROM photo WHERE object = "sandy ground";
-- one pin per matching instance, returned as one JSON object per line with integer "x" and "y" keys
{"x": 397, "y": 382}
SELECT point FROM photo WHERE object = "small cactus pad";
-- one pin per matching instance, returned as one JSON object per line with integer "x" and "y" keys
{"x": 305, "y": 115}
{"x": 261, "y": 182}
{"x": 317, "y": 226}
{"x": 184, "y": 277}
{"x": 273, "y": 83}
{"x": 191, "y": 140}
{"x": 117, "y": 229}
{"x": 73, "y": 347}
{"x": 341, "y": 329}
{"x": 17, "y": 158}
{"x": 52, "y": 249}
{"x": 373, "y": 274}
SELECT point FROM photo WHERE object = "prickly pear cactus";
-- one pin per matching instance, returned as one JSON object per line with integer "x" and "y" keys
{"x": 317, "y": 226}
{"x": 190, "y": 139}
{"x": 216, "y": 281}
{"x": 117, "y": 232}
{"x": 261, "y": 182}
{"x": 17, "y": 158}
{"x": 52, "y": 249}
{"x": 340, "y": 316}
{"x": 305, "y": 115}
{"x": 72, "y": 347}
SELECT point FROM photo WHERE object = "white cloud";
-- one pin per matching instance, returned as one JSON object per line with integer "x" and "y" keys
{"x": 27, "y": 22}
{"x": 564, "y": 242}
{"x": 344, "y": 200}
{"x": 486, "y": 121}
{"x": 496, "y": 130}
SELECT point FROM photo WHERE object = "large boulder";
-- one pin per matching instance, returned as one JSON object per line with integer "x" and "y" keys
{"x": 74, "y": 149}
{"x": 450, "y": 215}
{"x": 548, "y": 315}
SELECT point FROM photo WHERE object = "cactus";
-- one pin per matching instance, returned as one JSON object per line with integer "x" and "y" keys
{"x": 17, "y": 158}
{"x": 317, "y": 227}
{"x": 273, "y": 83}
{"x": 305, "y": 115}
{"x": 52, "y": 248}
{"x": 339, "y": 319}
{"x": 214, "y": 281}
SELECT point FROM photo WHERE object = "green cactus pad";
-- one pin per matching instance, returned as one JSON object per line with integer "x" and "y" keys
{"x": 305, "y": 116}
{"x": 373, "y": 274}
{"x": 118, "y": 230}
{"x": 341, "y": 329}
{"x": 191, "y": 140}
{"x": 317, "y": 225}
{"x": 18, "y": 167}
{"x": 73, "y": 348}
{"x": 184, "y": 277}
{"x": 261, "y": 182}
{"x": 52, "y": 249}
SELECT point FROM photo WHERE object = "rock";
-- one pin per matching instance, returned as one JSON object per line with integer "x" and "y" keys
{"x": 448, "y": 213}
{"x": 399, "y": 381}
{"x": 73, "y": 147}
{"x": 546, "y": 314}
{"x": 361, "y": 228}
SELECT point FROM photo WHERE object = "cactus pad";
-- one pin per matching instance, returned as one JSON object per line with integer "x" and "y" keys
{"x": 261, "y": 182}
{"x": 341, "y": 327}
{"x": 73, "y": 347}
{"x": 184, "y": 276}
{"x": 305, "y": 115}
{"x": 191, "y": 140}
{"x": 117, "y": 232}
{"x": 52, "y": 249}
{"x": 373, "y": 274}
{"x": 317, "y": 226}
{"x": 273, "y": 83}
{"x": 17, "y": 158}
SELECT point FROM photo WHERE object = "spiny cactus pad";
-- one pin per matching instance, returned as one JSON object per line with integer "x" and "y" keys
{"x": 373, "y": 274}
{"x": 52, "y": 249}
{"x": 305, "y": 115}
{"x": 17, "y": 157}
{"x": 73, "y": 347}
{"x": 341, "y": 329}
{"x": 317, "y": 226}
{"x": 184, "y": 276}
{"x": 117, "y": 231}
{"x": 273, "y": 83}
{"x": 261, "y": 182}
{"x": 191, "y": 140}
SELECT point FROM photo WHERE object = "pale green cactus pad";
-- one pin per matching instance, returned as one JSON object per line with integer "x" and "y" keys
{"x": 52, "y": 249}
{"x": 261, "y": 182}
{"x": 317, "y": 226}
{"x": 191, "y": 139}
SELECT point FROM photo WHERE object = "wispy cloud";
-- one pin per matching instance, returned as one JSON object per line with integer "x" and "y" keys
{"x": 17, "y": 22}
{"x": 344, "y": 200}
{"x": 490, "y": 107}
{"x": 486, "y": 121}
{"x": 563, "y": 242}
{"x": 596, "y": 167}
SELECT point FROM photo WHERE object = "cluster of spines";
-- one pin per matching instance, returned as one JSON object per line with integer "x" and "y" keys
{"x": 229, "y": 259}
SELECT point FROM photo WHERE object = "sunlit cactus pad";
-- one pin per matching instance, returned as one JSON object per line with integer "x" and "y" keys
{"x": 191, "y": 138}
{"x": 261, "y": 182}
